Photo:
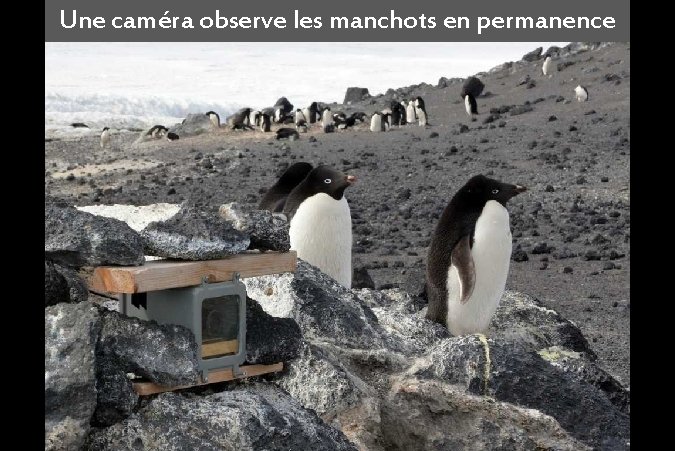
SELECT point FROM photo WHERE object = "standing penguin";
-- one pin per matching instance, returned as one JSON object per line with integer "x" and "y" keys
{"x": 410, "y": 113}
{"x": 265, "y": 122}
{"x": 581, "y": 93}
{"x": 254, "y": 118}
{"x": 215, "y": 119}
{"x": 105, "y": 137}
{"x": 312, "y": 113}
{"x": 376, "y": 123}
{"x": 300, "y": 121}
{"x": 275, "y": 197}
{"x": 421, "y": 111}
{"x": 470, "y": 105}
{"x": 547, "y": 67}
{"x": 321, "y": 222}
{"x": 469, "y": 256}
{"x": 327, "y": 121}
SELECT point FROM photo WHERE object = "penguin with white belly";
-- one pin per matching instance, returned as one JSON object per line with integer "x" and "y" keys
{"x": 411, "y": 114}
{"x": 547, "y": 66}
{"x": 581, "y": 93}
{"x": 105, "y": 137}
{"x": 321, "y": 223}
{"x": 214, "y": 118}
{"x": 469, "y": 256}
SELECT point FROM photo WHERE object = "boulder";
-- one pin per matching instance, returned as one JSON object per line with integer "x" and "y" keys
{"x": 76, "y": 238}
{"x": 71, "y": 332}
{"x": 444, "y": 82}
{"x": 472, "y": 86}
{"x": 534, "y": 55}
{"x": 267, "y": 231}
{"x": 77, "y": 287}
{"x": 194, "y": 124}
{"x": 56, "y": 287}
{"x": 354, "y": 95}
{"x": 270, "y": 339}
{"x": 193, "y": 234}
{"x": 254, "y": 416}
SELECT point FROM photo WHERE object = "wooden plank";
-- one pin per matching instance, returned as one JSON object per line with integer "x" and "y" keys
{"x": 219, "y": 347}
{"x": 163, "y": 274}
{"x": 150, "y": 388}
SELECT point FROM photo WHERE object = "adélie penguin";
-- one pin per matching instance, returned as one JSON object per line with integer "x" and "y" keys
{"x": 105, "y": 137}
{"x": 547, "y": 67}
{"x": 214, "y": 117}
{"x": 469, "y": 256}
{"x": 581, "y": 93}
{"x": 275, "y": 197}
{"x": 411, "y": 114}
{"x": 321, "y": 223}
{"x": 470, "y": 105}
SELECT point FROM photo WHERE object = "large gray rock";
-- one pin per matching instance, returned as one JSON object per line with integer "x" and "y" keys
{"x": 534, "y": 55}
{"x": 424, "y": 415}
{"x": 509, "y": 371}
{"x": 76, "y": 238}
{"x": 71, "y": 331}
{"x": 163, "y": 353}
{"x": 354, "y": 95}
{"x": 56, "y": 287}
{"x": 193, "y": 234}
{"x": 269, "y": 339}
{"x": 116, "y": 398}
{"x": 193, "y": 124}
{"x": 77, "y": 287}
{"x": 444, "y": 82}
{"x": 255, "y": 417}
{"x": 266, "y": 230}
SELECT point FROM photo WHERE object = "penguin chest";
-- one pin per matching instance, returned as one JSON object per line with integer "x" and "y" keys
{"x": 410, "y": 112}
{"x": 376, "y": 123}
{"x": 491, "y": 255}
{"x": 321, "y": 234}
{"x": 467, "y": 105}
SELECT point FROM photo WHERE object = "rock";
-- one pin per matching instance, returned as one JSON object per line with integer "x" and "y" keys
{"x": 531, "y": 84}
{"x": 542, "y": 248}
{"x": 354, "y": 95}
{"x": 444, "y": 82}
{"x": 549, "y": 189}
{"x": 255, "y": 416}
{"x": 552, "y": 118}
{"x": 520, "y": 109}
{"x": 270, "y": 339}
{"x": 463, "y": 128}
{"x": 361, "y": 279}
{"x": 194, "y": 234}
{"x": 524, "y": 80}
{"x": 312, "y": 139}
{"x": 194, "y": 124}
{"x": 71, "y": 331}
{"x": 472, "y": 86}
{"x": 519, "y": 255}
{"x": 78, "y": 291}
{"x": 56, "y": 287}
{"x": 420, "y": 415}
{"x": 163, "y": 353}
{"x": 76, "y": 238}
{"x": 116, "y": 397}
{"x": 510, "y": 372}
{"x": 433, "y": 135}
{"x": 567, "y": 270}
{"x": 564, "y": 65}
{"x": 534, "y": 55}
{"x": 266, "y": 230}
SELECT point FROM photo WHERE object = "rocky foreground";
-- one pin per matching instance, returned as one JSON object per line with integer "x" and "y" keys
{"x": 364, "y": 369}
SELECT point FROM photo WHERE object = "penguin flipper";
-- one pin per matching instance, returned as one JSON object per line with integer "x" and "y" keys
{"x": 462, "y": 260}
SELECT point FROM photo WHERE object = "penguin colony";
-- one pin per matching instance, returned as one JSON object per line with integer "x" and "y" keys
{"x": 470, "y": 250}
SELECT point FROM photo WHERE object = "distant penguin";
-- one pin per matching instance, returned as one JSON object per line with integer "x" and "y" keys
{"x": 581, "y": 93}
{"x": 171, "y": 136}
{"x": 275, "y": 197}
{"x": 254, "y": 118}
{"x": 287, "y": 133}
{"x": 312, "y": 113}
{"x": 547, "y": 67}
{"x": 397, "y": 112}
{"x": 421, "y": 111}
{"x": 469, "y": 256}
{"x": 105, "y": 137}
{"x": 470, "y": 105}
{"x": 360, "y": 116}
{"x": 300, "y": 117}
{"x": 321, "y": 223}
{"x": 157, "y": 131}
{"x": 327, "y": 123}
{"x": 376, "y": 124}
{"x": 411, "y": 115}
{"x": 215, "y": 119}
{"x": 284, "y": 105}
{"x": 240, "y": 119}
{"x": 265, "y": 122}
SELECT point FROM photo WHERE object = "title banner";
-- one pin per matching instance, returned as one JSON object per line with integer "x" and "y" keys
{"x": 341, "y": 20}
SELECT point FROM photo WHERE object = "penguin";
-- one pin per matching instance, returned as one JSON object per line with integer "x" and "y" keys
{"x": 360, "y": 116}
{"x": 312, "y": 113}
{"x": 470, "y": 105}
{"x": 105, "y": 137}
{"x": 157, "y": 132}
{"x": 469, "y": 256}
{"x": 386, "y": 121}
{"x": 411, "y": 115}
{"x": 284, "y": 106}
{"x": 581, "y": 93}
{"x": 321, "y": 224}
{"x": 275, "y": 197}
{"x": 171, "y": 136}
{"x": 254, "y": 118}
{"x": 397, "y": 112}
{"x": 215, "y": 119}
{"x": 265, "y": 122}
{"x": 376, "y": 124}
{"x": 421, "y": 111}
{"x": 300, "y": 117}
{"x": 547, "y": 67}
{"x": 287, "y": 133}
{"x": 339, "y": 118}
{"x": 327, "y": 121}
{"x": 240, "y": 119}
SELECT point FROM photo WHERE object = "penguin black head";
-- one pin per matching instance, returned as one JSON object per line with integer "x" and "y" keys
{"x": 325, "y": 179}
{"x": 480, "y": 189}
{"x": 105, "y": 128}
{"x": 295, "y": 174}
{"x": 172, "y": 136}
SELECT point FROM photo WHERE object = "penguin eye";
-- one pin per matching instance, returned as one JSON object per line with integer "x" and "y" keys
{"x": 495, "y": 191}
{"x": 327, "y": 181}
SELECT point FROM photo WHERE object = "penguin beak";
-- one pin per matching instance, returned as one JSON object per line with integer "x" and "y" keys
{"x": 520, "y": 189}
{"x": 351, "y": 179}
